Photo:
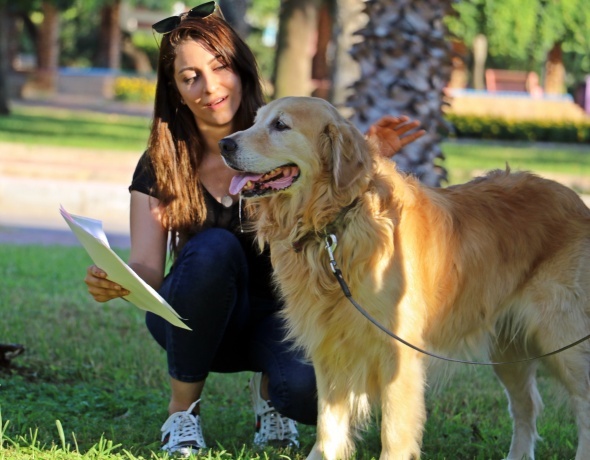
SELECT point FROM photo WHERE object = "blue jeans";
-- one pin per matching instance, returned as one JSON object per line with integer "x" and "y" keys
{"x": 232, "y": 331}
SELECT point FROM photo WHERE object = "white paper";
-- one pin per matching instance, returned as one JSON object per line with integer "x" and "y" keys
{"x": 91, "y": 235}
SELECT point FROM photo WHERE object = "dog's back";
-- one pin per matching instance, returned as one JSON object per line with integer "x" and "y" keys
{"x": 496, "y": 245}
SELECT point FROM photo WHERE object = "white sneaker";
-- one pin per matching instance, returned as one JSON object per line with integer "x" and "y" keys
{"x": 271, "y": 427}
{"x": 182, "y": 434}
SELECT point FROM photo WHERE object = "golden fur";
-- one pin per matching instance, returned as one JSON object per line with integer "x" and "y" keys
{"x": 500, "y": 264}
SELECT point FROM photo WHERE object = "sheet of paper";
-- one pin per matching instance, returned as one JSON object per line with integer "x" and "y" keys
{"x": 91, "y": 235}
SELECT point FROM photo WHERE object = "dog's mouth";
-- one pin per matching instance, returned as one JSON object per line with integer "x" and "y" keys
{"x": 255, "y": 184}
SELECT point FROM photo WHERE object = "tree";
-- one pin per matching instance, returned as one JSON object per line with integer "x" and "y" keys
{"x": 349, "y": 19}
{"x": 404, "y": 58}
{"x": 46, "y": 36}
{"x": 296, "y": 44}
{"x": 110, "y": 38}
{"x": 4, "y": 64}
{"x": 537, "y": 35}
{"x": 48, "y": 48}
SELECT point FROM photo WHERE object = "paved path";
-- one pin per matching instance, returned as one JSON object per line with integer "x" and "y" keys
{"x": 36, "y": 180}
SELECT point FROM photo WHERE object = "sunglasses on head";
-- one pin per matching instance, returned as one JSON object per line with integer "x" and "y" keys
{"x": 202, "y": 11}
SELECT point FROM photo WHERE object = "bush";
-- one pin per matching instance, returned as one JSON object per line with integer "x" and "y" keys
{"x": 528, "y": 130}
{"x": 135, "y": 89}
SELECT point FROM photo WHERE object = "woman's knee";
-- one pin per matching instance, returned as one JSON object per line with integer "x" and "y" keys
{"x": 296, "y": 397}
{"x": 211, "y": 270}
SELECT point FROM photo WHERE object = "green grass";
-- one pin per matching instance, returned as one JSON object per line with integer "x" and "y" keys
{"x": 84, "y": 129}
{"x": 94, "y": 370}
{"x": 464, "y": 159}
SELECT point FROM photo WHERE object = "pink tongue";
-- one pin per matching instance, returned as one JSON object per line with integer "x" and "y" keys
{"x": 238, "y": 182}
{"x": 284, "y": 181}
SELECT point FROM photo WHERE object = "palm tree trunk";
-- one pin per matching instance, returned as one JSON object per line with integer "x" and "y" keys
{"x": 405, "y": 64}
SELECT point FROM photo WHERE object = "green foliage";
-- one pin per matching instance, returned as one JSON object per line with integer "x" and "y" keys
{"x": 78, "y": 35}
{"x": 261, "y": 16}
{"x": 521, "y": 32}
{"x": 511, "y": 27}
{"x": 529, "y": 130}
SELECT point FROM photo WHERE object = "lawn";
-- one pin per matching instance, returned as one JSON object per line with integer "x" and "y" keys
{"x": 92, "y": 383}
{"x": 93, "y": 370}
{"x": 84, "y": 129}
{"x": 568, "y": 163}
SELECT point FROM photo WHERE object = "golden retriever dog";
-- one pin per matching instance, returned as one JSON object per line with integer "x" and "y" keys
{"x": 499, "y": 264}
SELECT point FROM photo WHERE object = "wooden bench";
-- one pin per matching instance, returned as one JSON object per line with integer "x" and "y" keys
{"x": 507, "y": 80}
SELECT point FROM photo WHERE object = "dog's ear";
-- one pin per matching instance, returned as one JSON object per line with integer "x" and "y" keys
{"x": 348, "y": 152}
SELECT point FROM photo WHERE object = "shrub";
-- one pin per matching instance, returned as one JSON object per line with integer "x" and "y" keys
{"x": 135, "y": 89}
{"x": 529, "y": 130}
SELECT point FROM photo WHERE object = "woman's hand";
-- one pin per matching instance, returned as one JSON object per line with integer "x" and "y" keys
{"x": 393, "y": 133}
{"x": 100, "y": 287}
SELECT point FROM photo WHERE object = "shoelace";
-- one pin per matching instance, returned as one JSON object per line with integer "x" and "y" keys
{"x": 186, "y": 427}
{"x": 277, "y": 425}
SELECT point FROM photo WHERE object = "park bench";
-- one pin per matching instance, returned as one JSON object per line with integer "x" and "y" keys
{"x": 507, "y": 80}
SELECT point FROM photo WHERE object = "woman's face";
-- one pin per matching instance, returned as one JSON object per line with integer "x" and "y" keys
{"x": 212, "y": 91}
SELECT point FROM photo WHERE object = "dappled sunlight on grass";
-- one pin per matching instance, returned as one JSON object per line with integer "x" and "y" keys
{"x": 77, "y": 129}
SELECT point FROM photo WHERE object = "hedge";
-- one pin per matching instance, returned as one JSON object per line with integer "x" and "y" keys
{"x": 529, "y": 130}
{"x": 135, "y": 89}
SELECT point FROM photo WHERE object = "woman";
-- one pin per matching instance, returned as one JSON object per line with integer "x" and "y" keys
{"x": 208, "y": 87}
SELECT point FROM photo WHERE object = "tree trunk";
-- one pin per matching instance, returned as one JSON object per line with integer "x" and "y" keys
{"x": 349, "y": 19}
{"x": 45, "y": 79}
{"x": 321, "y": 64}
{"x": 405, "y": 62}
{"x": 296, "y": 46}
{"x": 4, "y": 62}
{"x": 110, "y": 37}
{"x": 139, "y": 58}
{"x": 480, "y": 54}
{"x": 555, "y": 71}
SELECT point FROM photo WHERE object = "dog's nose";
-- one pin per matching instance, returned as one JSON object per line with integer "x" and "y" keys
{"x": 227, "y": 145}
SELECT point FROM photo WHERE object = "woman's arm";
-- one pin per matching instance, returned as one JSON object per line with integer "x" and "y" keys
{"x": 148, "y": 239}
{"x": 148, "y": 250}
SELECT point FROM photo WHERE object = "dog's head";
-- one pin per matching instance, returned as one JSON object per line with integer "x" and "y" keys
{"x": 296, "y": 142}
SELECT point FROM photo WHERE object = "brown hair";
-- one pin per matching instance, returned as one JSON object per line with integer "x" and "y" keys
{"x": 175, "y": 143}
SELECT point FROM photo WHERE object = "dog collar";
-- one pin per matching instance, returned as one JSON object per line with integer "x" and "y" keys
{"x": 330, "y": 228}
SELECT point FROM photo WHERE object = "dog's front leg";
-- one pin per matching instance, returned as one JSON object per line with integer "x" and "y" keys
{"x": 333, "y": 429}
{"x": 403, "y": 406}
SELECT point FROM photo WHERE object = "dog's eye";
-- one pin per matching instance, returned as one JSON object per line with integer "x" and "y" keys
{"x": 280, "y": 126}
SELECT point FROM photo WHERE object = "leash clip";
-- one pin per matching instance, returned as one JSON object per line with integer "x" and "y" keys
{"x": 331, "y": 243}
